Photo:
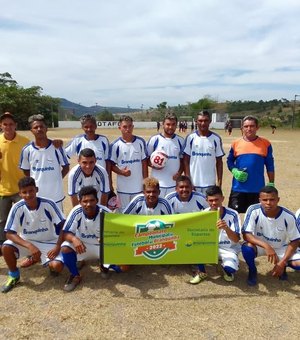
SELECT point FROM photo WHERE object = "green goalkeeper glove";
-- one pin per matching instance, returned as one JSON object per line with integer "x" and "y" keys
{"x": 239, "y": 175}
{"x": 271, "y": 184}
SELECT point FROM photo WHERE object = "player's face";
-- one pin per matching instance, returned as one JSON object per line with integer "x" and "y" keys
{"x": 215, "y": 201}
{"x": 203, "y": 124}
{"x": 184, "y": 190}
{"x": 87, "y": 164}
{"x": 89, "y": 129}
{"x": 151, "y": 196}
{"x": 28, "y": 194}
{"x": 89, "y": 205}
{"x": 8, "y": 127}
{"x": 126, "y": 129}
{"x": 249, "y": 129}
{"x": 39, "y": 129}
{"x": 269, "y": 202}
{"x": 169, "y": 127}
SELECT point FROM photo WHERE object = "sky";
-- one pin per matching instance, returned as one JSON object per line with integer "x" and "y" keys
{"x": 139, "y": 53}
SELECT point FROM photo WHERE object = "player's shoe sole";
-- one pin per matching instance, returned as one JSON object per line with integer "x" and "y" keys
{"x": 72, "y": 283}
{"x": 10, "y": 284}
{"x": 198, "y": 278}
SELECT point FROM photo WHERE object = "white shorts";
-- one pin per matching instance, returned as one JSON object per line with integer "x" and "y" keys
{"x": 44, "y": 248}
{"x": 229, "y": 259}
{"x": 165, "y": 191}
{"x": 125, "y": 199}
{"x": 280, "y": 253}
{"x": 92, "y": 251}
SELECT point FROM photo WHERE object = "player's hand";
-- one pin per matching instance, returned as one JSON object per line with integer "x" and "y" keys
{"x": 176, "y": 176}
{"x": 239, "y": 175}
{"x": 278, "y": 269}
{"x": 272, "y": 256}
{"x": 79, "y": 246}
{"x": 221, "y": 224}
{"x": 53, "y": 252}
{"x": 126, "y": 172}
{"x": 57, "y": 143}
{"x": 35, "y": 252}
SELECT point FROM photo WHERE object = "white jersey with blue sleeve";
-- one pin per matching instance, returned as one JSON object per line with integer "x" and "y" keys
{"x": 35, "y": 225}
{"x": 45, "y": 166}
{"x": 100, "y": 145}
{"x": 277, "y": 232}
{"x": 129, "y": 155}
{"x": 138, "y": 206}
{"x": 298, "y": 217}
{"x": 196, "y": 202}
{"x": 203, "y": 151}
{"x": 173, "y": 148}
{"x": 86, "y": 229}
{"x": 98, "y": 179}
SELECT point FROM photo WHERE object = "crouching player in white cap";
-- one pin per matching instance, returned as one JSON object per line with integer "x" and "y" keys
{"x": 229, "y": 227}
{"x": 270, "y": 230}
{"x": 81, "y": 234}
{"x": 31, "y": 229}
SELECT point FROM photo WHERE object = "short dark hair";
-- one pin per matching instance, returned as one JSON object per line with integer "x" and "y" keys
{"x": 26, "y": 182}
{"x": 88, "y": 118}
{"x": 125, "y": 119}
{"x": 7, "y": 115}
{"x": 88, "y": 190}
{"x": 87, "y": 152}
{"x": 36, "y": 118}
{"x": 183, "y": 178}
{"x": 249, "y": 117}
{"x": 170, "y": 116}
{"x": 204, "y": 113}
{"x": 268, "y": 189}
{"x": 214, "y": 190}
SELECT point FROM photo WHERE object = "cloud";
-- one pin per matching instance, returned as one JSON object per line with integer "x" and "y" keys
{"x": 121, "y": 53}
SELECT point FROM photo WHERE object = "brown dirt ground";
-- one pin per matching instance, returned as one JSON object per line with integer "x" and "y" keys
{"x": 155, "y": 301}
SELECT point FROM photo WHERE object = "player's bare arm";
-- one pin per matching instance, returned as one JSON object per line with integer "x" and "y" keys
{"x": 65, "y": 170}
{"x": 219, "y": 168}
{"x": 280, "y": 265}
{"x": 271, "y": 177}
{"x": 56, "y": 249}
{"x": 233, "y": 236}
{"x": 145, "y": 168}
{"x": 104, "y": 199}
{"x": 186, "y": 165}
{"x": 180, "y": 170}
{"x": 123, "y": 172}
{"x": 74, "y": 200}
{"x": 77, "y": 243}
{"x": 34, "y": 251}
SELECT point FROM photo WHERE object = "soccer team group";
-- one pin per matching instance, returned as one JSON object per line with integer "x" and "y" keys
{"x": 186, "y": 176}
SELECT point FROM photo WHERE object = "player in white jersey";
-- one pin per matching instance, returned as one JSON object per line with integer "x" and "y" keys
{"x": 31, "y": 229}
{"x": 172, "y": 145}
{"x": 81, "y": 234}
{"x": 87, "y": 173}
{"x": 202, "y": 155}
{"x": 229, "y": 227}
{"x": 270, "y": 230}
{"x": 184, "y": 199}
{"x": 128, "y": 156}
{"x": 45, "y": 163}
{"x": 149, "y": 203}
{"x": 90, "y": 139}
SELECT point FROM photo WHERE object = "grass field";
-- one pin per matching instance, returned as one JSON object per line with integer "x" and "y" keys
{"x": 155, "y": 301}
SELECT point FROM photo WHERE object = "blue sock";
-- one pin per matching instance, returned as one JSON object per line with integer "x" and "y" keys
{"x": 249, "y": 256}
{"x": 70, "y": 260}
{"x": 201, "y": 268}
{"x": 14, "y": 274}
{"x": 229, "y": 271}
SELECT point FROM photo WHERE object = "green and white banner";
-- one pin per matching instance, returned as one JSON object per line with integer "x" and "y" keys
{"x": 160, "y": 239}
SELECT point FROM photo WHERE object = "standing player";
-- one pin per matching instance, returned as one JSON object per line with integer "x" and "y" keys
{"x": 184, "y": 199}
{"x": 270, "y": 230}
{"x": 247, "y": 158}
{"x": 229, "y": 227}
{"x": 31, "y": 229}
{"x": 203, "y": 154}
{"x": 11, "y": 145}
{"x": 81, "y": 234}
{"x": 149, "y": 202}
{"x": 128, "y": 156}
{"x": 87, "y": 173}
{"x": 46, "y": 164}
{"x": 170, "y": 144}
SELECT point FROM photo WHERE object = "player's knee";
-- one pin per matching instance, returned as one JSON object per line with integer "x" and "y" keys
{"x": 56, "y": 266}
{"x": 8, "y": 251}
{"x": 66, "y": 250}
{"x": 248, "y": 251}
{"x": 294, "y": 265}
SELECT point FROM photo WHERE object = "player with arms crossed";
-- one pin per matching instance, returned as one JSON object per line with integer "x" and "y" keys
{"x": 229, "y": 227}
{"x": 128, "y": 156}
{"x": 172, "y": 145}
{"x": 87, "y": 173}
{"x": 81, "y": 234}
{"x": 270, "y": 230}
{"x": 31, "y": 230}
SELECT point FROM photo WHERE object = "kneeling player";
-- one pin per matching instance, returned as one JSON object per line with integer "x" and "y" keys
{"x": 81, "y": 234}
{"x": 270, "y": 230}
{"x": 31, "y": 230}
{"x": 229, "y": 236}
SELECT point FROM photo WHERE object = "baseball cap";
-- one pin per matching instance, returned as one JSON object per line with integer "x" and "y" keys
{"x": 7, "y": 115}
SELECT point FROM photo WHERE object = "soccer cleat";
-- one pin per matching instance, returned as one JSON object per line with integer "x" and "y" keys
{"x": 228, "y": 277}
{"x": 28, "y": 262}
{"x": 252, "y": 278}
{"x": 72, "y": 283}
{"x": 283, "y": 276}
{"x": 10, "y": 283}
{"x": 199, "y": 277}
